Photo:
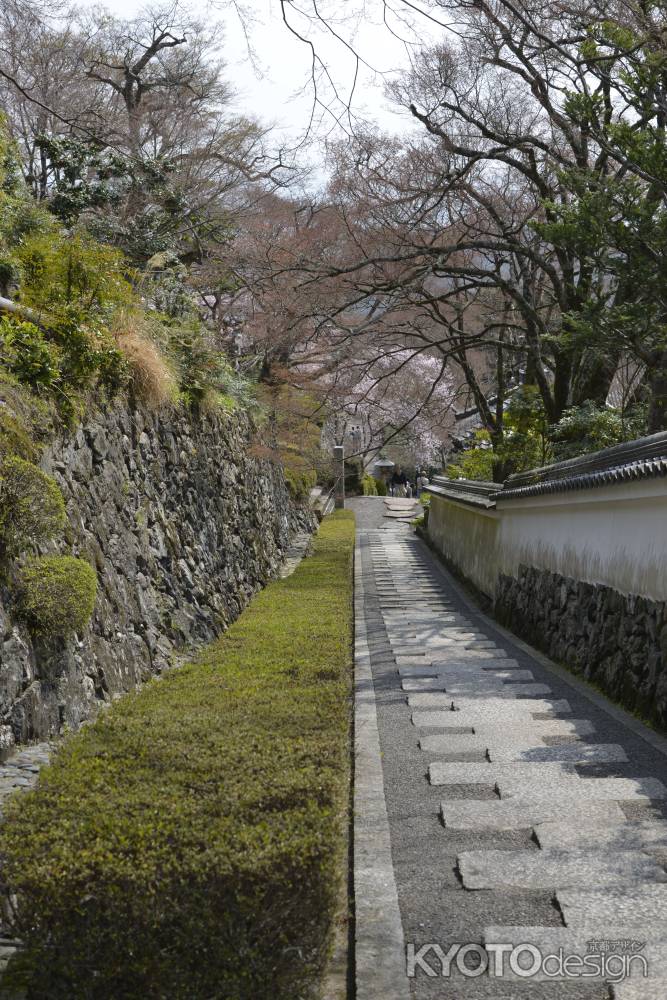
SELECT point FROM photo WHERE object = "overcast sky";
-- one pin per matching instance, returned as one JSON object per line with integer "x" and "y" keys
{"x": 276, "y": 89}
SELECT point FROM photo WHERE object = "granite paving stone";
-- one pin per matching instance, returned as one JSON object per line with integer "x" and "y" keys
{"x": 556, "y": 869}
{"x": 632, "y": 906}
{"x": 461, "y": 773}
{"x": 635, "y": 836}
{"x": 508, "y": 814}
{"x": 567, "y": 797}
{"x": 640, "y": 989}
{"x": 578, "y": 752}
{"x": 587, "y": 789}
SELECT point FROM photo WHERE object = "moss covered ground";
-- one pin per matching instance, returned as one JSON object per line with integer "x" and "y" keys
{"x": 188, "y": 843}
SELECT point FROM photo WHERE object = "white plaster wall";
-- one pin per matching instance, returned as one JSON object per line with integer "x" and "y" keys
{"x": 614, "y": 535}
{"x": 468, "y": 538}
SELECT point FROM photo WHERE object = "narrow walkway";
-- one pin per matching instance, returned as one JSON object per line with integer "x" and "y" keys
{"x": 520, "y": 810}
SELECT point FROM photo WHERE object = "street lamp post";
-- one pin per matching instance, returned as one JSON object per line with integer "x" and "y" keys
{"x": 339, "y": 472}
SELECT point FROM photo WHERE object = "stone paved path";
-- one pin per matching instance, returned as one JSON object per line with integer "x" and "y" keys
{"x": 519, "y": 808}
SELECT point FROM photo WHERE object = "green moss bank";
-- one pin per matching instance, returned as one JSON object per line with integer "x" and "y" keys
{"x": 188, "y": 844}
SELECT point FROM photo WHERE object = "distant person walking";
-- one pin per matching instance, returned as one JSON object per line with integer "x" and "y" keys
{"x": 422, "y": 483}
{"x": 399, "y": 481}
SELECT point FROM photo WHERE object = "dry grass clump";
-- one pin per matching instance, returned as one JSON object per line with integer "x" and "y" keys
{"x": 152, "y": 376}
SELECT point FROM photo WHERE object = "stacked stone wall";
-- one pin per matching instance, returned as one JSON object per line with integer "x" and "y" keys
{"x": 618, "y": 641}
{"x": 182, "y": 525}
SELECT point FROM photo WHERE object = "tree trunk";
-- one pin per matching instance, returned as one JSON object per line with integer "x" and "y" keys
{"x": 562, "y": 385}
{"x": 594, "y": 378}
{"x": 657, "y": 381}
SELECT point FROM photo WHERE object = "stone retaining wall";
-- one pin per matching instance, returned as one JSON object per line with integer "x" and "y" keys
{"x": 617, "y": 641}
{"x": 182, "y": 525}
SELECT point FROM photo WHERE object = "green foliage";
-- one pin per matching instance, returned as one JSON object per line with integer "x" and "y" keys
{"x": 381, "y": 487}
{"x": 32, "y": 508}
{"x": 165, "y": 282}
{"x": 369, "y": 486}
{"x": 614, "y": 221}
{"x": 86, "y": 176}
{"x": 203, "y": 370}
{"x": 63, "y": 361}
{"x": 88, "y": 356}
{"x": 189, "y": 842}
{"x": 19, "y": 215}
{"x": 353, "y": 477}
{"x": 71, "y": 276}
{"x": 524, "y": 443}
{"x": 94, "y": 183}
{"x": 300, "y": 482}
{"x": 475, "y": 463}
{"x": 588, "y": 428}
{"x": 77, "y": 286}
{"x": 15, "y": 439}
{"x": 57, "y": 594}
{"x": 27, "y": 354}
{"x": 11, "y": 176}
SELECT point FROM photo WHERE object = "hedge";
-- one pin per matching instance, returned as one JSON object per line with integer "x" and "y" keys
{"x": 57, "y": 594}
{"x": 32, "y": 508}
{"x": 188, "y": 844}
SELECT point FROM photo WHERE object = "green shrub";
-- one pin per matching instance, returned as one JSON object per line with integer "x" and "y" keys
{"x": 369, "y": 486}
{"x": 63, "y": 270}
{"x": 67, "y": 359}
{"x": 189, "y": 844}
{"x": 203, "y": 370}
{"x": 475, "y": 463}
{"x": 353, "y": 476}
{"x": 57, "y": 594}
{"x": 28, "y": 355}
{"x": 300, "y": 482}
{"x": 381, "y": 487}
{"x": 15, "y": 438}
{"x": 588, "y": 428}
{"x": 32, "y": 508}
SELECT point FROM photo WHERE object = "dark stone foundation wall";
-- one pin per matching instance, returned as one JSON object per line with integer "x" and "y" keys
{"x": 615, "y": 640}
{"x": 182, "y": 525}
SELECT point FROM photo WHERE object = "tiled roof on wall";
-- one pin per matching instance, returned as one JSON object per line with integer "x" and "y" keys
{"x": 645, "y": 458}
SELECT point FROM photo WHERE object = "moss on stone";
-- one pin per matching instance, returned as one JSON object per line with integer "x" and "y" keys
{"x": 300, "y": 482}
{"x": 57, "y": 594}
{"x": 15, "y": 438}
{"x": 32, "y": 508}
